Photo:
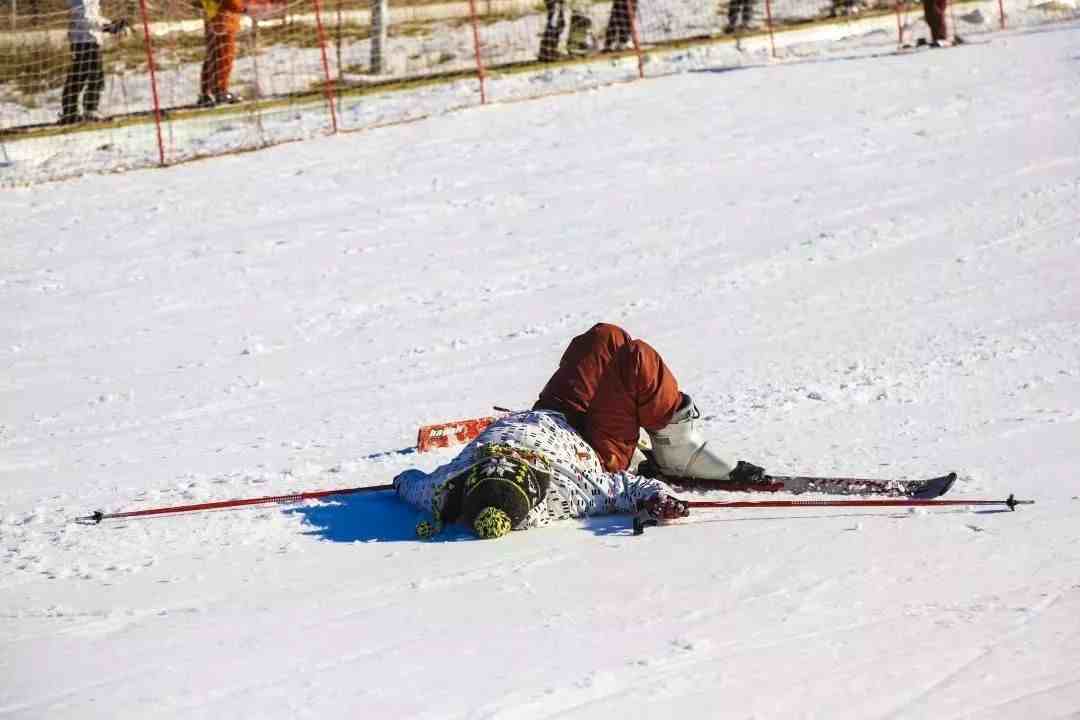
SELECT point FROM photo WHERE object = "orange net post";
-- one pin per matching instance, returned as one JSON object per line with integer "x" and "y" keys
{"x": 476, "y": 47}
{"x": 153, "y": 80}
{"x": 329, "y": 86}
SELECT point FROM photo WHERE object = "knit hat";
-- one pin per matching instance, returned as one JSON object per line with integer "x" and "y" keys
{"x": 500, "y": 491}
{"x": 491, "y": 522}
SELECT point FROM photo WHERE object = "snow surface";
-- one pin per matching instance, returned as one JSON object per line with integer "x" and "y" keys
{"x": 856, "y": 265}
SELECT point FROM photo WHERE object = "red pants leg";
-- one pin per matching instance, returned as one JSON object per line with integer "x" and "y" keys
{"x": 230, "y": 27}
{"x": 637, "y": 391}
{"x": 609, "y": 386}
{"x": 571, "y": 389}
{"x": 217, "y": 66}
{"x": 206, "y": 79}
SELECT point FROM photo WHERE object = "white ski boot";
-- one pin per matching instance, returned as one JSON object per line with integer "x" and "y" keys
{"x": 680, "y": 452}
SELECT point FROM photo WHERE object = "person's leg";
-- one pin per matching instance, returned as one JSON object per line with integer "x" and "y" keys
{"x": 635, "y": 391}
{"x": 610, "y": 387}
{"x": 572, "y": 388}
{"x": 73, "y": 85}
{"x": 934, "y": 12}
{"x": 228, "y": 27}
{"x": 617, "y": 20}
{"x": 95, "y": 80}
{"x": 549, "y": 41}
{"x": 206, "y": 80}
{"x": 734, "y": 13}
{"x": 638, "y": 391}
{"x": 579, "y": 41}
{"x": 747, "y": 17}
{"x": 681, "y": 452}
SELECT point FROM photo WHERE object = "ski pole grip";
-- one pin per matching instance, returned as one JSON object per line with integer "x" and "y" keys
{"x": 642, "y": 520}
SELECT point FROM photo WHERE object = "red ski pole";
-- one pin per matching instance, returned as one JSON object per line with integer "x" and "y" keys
{"x": 98, "y": 516}
{"x": 1010, "y": 502}
{"x": 643, "y": 519}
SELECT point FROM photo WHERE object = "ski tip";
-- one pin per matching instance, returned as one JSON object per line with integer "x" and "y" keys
{"x": 950, "y": 480}
{"x": 936, "y": 488}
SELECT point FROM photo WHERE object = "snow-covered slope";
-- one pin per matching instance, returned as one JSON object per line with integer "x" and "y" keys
{"x": 866, "y": 265}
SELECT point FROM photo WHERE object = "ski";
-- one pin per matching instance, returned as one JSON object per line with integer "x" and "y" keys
{"x": 798, "y": 484}
{"x": 925, "y": 489}
{"x": 457, "y": 432}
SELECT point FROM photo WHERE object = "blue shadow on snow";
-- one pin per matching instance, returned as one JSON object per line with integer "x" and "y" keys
{"x": 359, "y": 518}
{"x": 367, "y": 517}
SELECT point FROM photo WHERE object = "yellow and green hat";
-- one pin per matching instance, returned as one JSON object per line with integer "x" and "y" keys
{"x": 500, "y": 491}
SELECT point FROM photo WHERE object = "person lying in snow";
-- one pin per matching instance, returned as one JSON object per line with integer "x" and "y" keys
{"x": 571, "y": 454}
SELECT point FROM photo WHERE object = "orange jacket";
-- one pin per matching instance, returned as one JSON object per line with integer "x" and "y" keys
{"x": 213, "y": 7}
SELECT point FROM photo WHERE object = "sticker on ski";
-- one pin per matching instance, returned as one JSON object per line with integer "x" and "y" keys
{"x": 447, "y": 434}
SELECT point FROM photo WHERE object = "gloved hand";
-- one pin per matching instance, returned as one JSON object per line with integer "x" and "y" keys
{"x": 116, "y": 27}
{"x": 664, "y": 507}
{"x": 656, "y": 508}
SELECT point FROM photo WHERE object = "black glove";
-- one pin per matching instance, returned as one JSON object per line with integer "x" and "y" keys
{"x": 656, "y": 508}
{"x": 117, "y": 26}
{"x": 664, "y": 507}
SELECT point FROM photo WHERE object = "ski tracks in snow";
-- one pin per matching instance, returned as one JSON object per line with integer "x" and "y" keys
{"x": 739, "y": 673}
{"x": 988, "y": 667}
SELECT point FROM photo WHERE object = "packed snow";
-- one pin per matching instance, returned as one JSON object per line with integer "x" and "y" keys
{"x": 854, "y": 264}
